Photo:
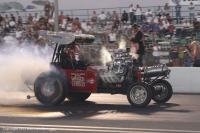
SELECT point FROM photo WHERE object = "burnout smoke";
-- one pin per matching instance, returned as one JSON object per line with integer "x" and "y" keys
{"x": 122, "y": 43}
{"x": 20, "y": 63}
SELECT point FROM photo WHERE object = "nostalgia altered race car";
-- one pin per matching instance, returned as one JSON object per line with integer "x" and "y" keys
{"x": 76, "y": 80}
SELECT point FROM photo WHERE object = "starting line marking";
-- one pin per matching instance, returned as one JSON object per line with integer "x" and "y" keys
{"x": 12, "y": 126}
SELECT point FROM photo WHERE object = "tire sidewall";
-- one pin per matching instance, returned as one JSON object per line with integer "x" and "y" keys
{"x": 168, "y": 86}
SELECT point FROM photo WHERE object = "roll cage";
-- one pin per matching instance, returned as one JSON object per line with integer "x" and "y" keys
{"x": 64, "y": 40}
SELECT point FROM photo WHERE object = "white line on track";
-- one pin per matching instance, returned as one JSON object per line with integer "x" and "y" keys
{"x": 89, "y": 128}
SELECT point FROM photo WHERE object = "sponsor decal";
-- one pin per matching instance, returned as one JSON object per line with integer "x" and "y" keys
{"x": 78, "y": 79}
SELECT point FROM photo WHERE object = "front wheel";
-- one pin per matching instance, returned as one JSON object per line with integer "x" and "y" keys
{"x": 139, "y": 94}
{"x": 77, "y": 96}
{"x": 162, "y": 91}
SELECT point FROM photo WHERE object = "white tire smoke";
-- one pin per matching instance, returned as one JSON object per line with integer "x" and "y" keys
{"x": 20, "y": 63}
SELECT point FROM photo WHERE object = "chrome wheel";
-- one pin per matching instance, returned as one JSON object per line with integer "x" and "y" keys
{"x": 138, "y": 94}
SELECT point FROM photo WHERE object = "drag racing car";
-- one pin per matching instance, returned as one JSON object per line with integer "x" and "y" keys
{"x": 76, "y": 80}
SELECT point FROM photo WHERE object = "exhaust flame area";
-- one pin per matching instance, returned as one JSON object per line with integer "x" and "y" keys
{"x": 105, "y": 56}
{"x": 122, "y": 44}
{"x": 19, "y": 63}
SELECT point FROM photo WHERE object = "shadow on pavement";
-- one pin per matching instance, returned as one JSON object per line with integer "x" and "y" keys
{"x": 88, "y": 109}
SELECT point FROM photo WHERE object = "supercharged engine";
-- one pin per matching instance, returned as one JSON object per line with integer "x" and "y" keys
{"x": 117, "y": 69}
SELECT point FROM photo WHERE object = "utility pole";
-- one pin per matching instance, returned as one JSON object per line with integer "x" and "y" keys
{"x": 56, "y": 27}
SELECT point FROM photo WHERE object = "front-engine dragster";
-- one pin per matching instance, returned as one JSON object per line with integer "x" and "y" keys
{"x": 75, "y": 79}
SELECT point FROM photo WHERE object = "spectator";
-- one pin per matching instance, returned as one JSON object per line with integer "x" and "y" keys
{"x": 138, "y": 13}
{"x": 159, "y": 11}
{"x": 149, "y": 15}
{"x": 61, "y": 18}
{"x": 67, "y": 17}
{"x": 52, "y": 9}
{"x": 198, "y": 17}
{"x": 169, "y": 18}
{"x": 1, "y": 19}
{"x": 195, "y": 53}
{"x": 12, "y": 18}
{"x": 36, "y": 17}
{"x": 19, "y": 33}
{"x": 187, "y": 60}
{"x": 6, "y": 19}
{"x": 166, "y": 9}
{"x": 102, "y": 19}
{"x": 19, "y": 21}
{"x": 112, "y": 37}
{"x": 78, "y": 31}
{"x": 85, "y": 26}
{"x": 69, "y": 25}
{"x": 76, "y": 25}
{"x": 124, "y": 17}
{"x": 63, "y": 24}
{"x": 165, "y": 25}
{"x": 156, "y": 53}
{"x": 145, "y": 27}
{"x": 181, "y": 55}
{"x": 108, "y": 17}
{"x": 154, "y": 26}
{"x": 47, "y": 9}
{"x": 132, "y": 14}
{"x": 12, "y": 25}
{"x": 30, "y": 19}
{"x": 115, "y": 16}
{"x": 178, "y": 13}
{"x": 115, "y": 19}
{"x": 191, "y": 11}
{"x": 196, "y": 25}
{"x": 174, "y": 56}
{"x": 171, "y": 29}
{"x": 186, "y": 24}
{"x": 94, "y": 17}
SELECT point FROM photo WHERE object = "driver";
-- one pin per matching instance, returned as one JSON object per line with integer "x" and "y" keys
{"x": 73, "y": 53}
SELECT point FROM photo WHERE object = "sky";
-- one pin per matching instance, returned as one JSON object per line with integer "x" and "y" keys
{"x": 91, "y": 4}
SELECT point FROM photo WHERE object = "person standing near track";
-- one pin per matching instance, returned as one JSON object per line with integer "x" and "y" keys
{"x": 195, "y": 52}
{"x": 139, "y": 38}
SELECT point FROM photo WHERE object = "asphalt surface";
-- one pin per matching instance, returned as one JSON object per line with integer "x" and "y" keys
{"x": 102, "y": 113}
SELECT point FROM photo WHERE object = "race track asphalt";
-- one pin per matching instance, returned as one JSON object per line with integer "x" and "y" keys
{"x": 102, "y": 113}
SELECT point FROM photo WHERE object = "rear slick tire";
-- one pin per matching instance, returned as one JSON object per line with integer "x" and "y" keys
{"x": 165, "y": 89}
{"x": 50, "y": 88}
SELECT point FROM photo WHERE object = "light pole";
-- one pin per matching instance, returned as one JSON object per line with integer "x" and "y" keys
{"x": 56, "y": 27}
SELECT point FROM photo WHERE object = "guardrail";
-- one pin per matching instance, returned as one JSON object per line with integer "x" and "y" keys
{"x": 85, "y": 14}
{"x": 185, "y": 79}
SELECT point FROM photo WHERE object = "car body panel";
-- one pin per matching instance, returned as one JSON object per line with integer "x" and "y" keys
{"x": 82, "y": 80}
